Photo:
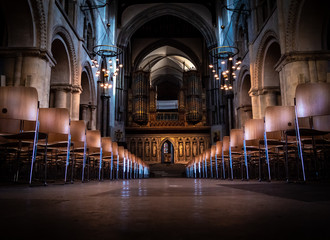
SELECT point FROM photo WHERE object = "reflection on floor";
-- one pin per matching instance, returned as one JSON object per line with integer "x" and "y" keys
{"x": 166, "y": 208}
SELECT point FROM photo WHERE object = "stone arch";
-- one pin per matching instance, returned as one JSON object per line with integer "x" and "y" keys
{"x": 65, "y": 35}
{"x": 87, "y": 97}
{"x": 244, "y": 110}
{"x": 306, "y": 28}
{"x": 167, "y": 139}
{"x": 21, "y": 30}
{"x": 268, "y": 38}
{"x": 89, "y": 31}
{"x": 167, "y": 9}
{"x": 270, "y": 77}
{"x": 60, "y": 79}
{"x": 89, "y": 73}
{"x": 172, "y": 141}
{"x": 241, "y": 31}
{"x": 163, "y": 160}
{"x": 244, "y": 72}
{"x": 39, "y": 17}
{"x": 171, "y": 43}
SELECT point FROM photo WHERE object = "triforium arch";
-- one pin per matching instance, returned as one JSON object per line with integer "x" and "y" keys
{"x": 167, "y": 42}
{"x": 87, "y": 69}
{"x": 39, "y": 17}
{"x": 65, "y": 35}
{"x": 167, "y": 9}
{"x": 61, "y": 77}
{"x": 268, "y": 38}
{"x": 266, "y": 83}
{"x": 307, "y": 25}
{"x": 87, "y": 103}
{"x": 244, "y": 102}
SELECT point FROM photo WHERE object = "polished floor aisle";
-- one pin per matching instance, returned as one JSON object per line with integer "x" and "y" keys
{"x": 166, "y": 208}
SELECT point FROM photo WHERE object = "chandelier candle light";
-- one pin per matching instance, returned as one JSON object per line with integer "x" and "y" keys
{"x": 111, "y": 52}
{"x": 225, "y": 71}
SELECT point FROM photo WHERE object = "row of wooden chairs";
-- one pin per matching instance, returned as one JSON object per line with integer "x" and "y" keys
{"x": 288, "y": 143}
{"x": 49, "y": 143}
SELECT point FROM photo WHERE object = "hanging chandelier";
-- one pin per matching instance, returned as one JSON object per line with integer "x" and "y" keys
{"x": 224, "y": 66}
{"x": 110, "y": 65}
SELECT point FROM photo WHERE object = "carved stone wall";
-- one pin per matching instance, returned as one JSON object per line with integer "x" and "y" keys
{"x": 185, "y": 146}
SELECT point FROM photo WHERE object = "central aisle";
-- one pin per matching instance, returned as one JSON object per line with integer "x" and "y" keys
{"x": 166, "y": 208}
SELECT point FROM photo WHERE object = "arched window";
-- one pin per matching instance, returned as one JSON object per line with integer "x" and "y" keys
{"x": 165, "y": 147}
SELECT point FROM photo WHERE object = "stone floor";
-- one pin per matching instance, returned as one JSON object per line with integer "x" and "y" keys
{"x": 166, "y": 208}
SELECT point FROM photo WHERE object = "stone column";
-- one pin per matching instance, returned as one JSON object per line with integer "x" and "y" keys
{"x": 76, "y": 91}
{"x": 84, "y": 108}
{"x": 255, "y": 104}
{"x": 245, "y": 113}
{"x": 61, "y": 94}
{"x": 267, "y": 97}
{"x": 105, "y": 115}
{"x": 18, "y": 70}
{"x": 271, "y": 96}
{"x": 60, "y": 98}
{"x": 93, "y": 117}
{"x": 301, "y": 67}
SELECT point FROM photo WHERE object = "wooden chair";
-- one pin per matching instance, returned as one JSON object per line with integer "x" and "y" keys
{"x": 107, "y": 153}
{"x": 94, "y": 150}
{"x": 114, "y": 161}
{"x": 195, "y": 162}
{"x": 225, "y": 152}
{"x": 120, "y": 159}
{"x": 139, "y": 168}
{"x": 278, "y": 121}
{"x": 204, "y": 164}
{"x": 17, "y": 105}
{"x": 78, "y": 141}
{"x": 208, "y": 162}
{"x": 312, "y": 100}
{"x": 236, "y": 140}
{"x": 253, "y": 135}
{"x": 200, "y": 166}
{"x": 218, "y": 153}
{"x": 213, "y": 163}
{"x": 55, "y": 124}
{"x": 129, "y": 166}
{"x": 125, "y": 163}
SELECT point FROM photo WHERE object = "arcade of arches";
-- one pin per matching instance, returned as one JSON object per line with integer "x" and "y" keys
{"x": 165, "y": 96}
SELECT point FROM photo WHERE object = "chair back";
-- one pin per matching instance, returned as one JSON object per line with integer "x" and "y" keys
{"x": 54, "y": 120}
{"x": 225, "y": 144}
{"x": 236, "y": 139}
{"x": 19, "y": 103}
{"x": 279, "y": 118}
{"x": 200, "y": 157}
{"x": 106, "y": 145}
{"x": 208, "y": 153}
{"x": 13, "y": 126}
{"x": 121, "y": 152}
{"x": 322, "y": 123}
{"x": 78, "y": 133}
{"x": 218, "y": 148}
{"x": 93, "y": 140}
{"x": 254, "y": 129}
{"x": 115, "y": 149}
{"x": 313, "y": 99}
{"x": 213, "y": 150}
